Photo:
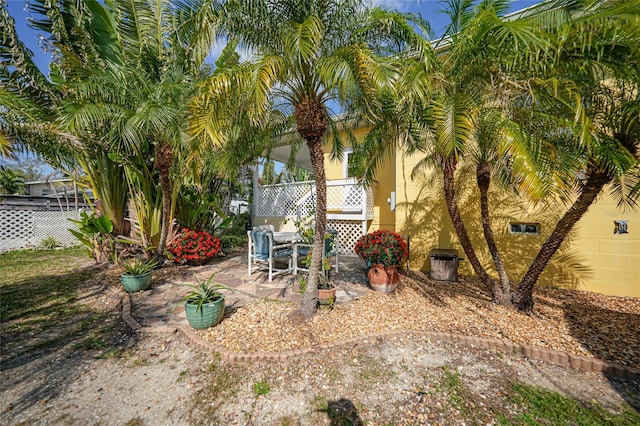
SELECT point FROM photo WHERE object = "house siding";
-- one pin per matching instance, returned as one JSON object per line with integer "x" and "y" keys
{"x": 593, "y": 258}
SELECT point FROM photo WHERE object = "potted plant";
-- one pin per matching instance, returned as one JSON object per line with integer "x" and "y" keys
{"x": 137, "y": 274}
{"x": 384, "y": 251}
{"x": 193, "y": 247}
{"x": 204, "y": 303}
{"x": 326, "y": 289}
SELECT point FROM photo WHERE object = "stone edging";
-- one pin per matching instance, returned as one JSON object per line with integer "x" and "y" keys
{"x": 531, "y": 352}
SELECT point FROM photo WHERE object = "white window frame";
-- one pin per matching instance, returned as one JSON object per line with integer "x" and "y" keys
{"x": 345, "y": 162}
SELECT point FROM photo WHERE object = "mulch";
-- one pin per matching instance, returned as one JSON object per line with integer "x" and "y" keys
{"x": 570, "y": 321}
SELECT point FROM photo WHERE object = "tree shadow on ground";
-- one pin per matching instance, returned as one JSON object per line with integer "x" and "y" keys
{"x": 342, "y": 412}
{"x": 605, "y": 330}
{"x": 52, "y": 328}
{"x": 607, "y": 327}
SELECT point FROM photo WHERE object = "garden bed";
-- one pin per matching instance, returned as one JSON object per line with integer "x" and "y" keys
{"x": 569, "y": 321}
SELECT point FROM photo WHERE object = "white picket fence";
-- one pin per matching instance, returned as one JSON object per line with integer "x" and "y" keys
{"x": 27, "y": 228}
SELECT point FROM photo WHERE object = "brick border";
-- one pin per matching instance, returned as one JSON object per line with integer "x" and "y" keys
{"x": 527, "y": 351}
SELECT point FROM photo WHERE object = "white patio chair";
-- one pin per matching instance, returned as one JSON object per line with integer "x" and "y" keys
{"x": 262, "y": 250}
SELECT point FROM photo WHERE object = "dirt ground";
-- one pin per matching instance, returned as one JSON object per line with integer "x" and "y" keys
{"x": 161, "y": 380}
{"x": 119, "y": 377}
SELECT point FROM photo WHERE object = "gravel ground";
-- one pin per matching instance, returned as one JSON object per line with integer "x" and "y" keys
{"x": 118, "y": 377}
{"x": 576, "y": 322}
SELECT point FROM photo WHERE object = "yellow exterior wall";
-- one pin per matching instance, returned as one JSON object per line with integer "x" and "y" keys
{"x": 384, "y": 218}
{"x": 614, "y": 258}
{"x": 592, "y": 259}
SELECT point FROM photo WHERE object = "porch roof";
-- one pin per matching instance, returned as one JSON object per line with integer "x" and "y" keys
{"x": 282, "y": 151}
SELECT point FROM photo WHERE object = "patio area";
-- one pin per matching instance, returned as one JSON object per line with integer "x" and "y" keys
{"x": 158, "y": 307}
{"x": 567, "y": 325}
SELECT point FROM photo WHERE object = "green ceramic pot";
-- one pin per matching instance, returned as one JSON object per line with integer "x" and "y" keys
{"x": 133, "y": 283}
{"x": 207, "y": 316}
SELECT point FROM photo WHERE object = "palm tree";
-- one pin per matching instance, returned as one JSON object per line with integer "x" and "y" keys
{"x": 305, "y": 55}
{"x": 489, "y": 98}
{"x": 32, "y": 103}
{"x": 132, "y": 99}
{"x": 11, "y": 181}
{"x": 449, "y": 97}
{"x": 597, "y": 52}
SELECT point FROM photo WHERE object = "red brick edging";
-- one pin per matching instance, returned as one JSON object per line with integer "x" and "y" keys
{"x": 531, "y": 352}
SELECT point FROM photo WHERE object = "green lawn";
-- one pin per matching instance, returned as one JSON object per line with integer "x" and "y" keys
{"x": 38, "y": 298}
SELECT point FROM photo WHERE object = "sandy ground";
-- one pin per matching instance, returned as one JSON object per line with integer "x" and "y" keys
{"x": 126, "y": 378}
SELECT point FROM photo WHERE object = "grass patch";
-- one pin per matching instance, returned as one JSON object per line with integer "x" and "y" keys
{"x": 261, "y": 388}
{"x": 39, "y": 285}
{"x": 543, "y": 407}
{"x": 20, "y": 265}
{"x": 38, "y": 289}
{"x": 222, "y": 384}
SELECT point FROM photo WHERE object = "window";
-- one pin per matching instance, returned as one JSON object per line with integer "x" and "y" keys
{"x": 524, "y": 228}
{"x": 348, "y": 163}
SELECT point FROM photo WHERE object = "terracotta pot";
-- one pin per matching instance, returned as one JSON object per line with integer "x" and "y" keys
{"x": 327, "y": 296}
{"x": 383, "y": 279}
{"x": 198, "y": 262}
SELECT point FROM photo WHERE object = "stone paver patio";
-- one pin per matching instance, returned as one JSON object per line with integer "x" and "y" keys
{"x": 158, "y": 308}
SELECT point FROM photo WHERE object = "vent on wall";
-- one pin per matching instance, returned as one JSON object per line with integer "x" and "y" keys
{"x": 524, "y": 228}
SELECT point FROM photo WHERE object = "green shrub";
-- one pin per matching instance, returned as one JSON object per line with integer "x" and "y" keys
{"x": 261, "y": 388}
{"x": 231, "y": 241}
{"x": 49, "y": 243}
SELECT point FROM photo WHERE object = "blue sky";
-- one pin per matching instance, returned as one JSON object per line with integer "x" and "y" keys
{"x": 429, "y": 9}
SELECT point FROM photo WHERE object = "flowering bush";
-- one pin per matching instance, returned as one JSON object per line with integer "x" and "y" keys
{"x": 193, "y": 246}
{"x": 381, "y": 247}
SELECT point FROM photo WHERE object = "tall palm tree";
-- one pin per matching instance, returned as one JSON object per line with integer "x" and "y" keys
{"x": 305, "y": 55}
{"x": 598, "y": 52}
{"x": 504, "y": 94}
{"x": 454, "y": 111}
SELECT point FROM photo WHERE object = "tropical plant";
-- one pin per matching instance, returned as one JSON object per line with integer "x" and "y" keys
{"x": 382, "y": 247}
{"x": 538, "y": 103}
{"x": 595, "y": 56}
{"x": 139, "y": 266}
{"x": 203, "y": 291}
{"x": 11, "y": 181}
{"x": 49, "y": 243}
{"x": 193, "y": 246}
{"x": 317, "y": 52}
{"x": 127, "y": 71}
{"x": 94, "y": 233}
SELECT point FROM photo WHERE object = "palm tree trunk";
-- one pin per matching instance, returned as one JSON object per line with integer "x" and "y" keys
{"x": 502, "y": 288}
{"x": 164, "y": 159}
{"x": 448, "y": 169}
{"x": 309, "y": 302}
{"x": 523, "y": 298}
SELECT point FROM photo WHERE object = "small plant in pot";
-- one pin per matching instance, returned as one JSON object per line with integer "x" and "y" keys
{"x": 137, "y": 274}
{"x": 204, "y": 303}
{"x": 326, "y": 289}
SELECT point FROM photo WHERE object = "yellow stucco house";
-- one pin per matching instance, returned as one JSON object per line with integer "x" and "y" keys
{"x": 599, "y": 256}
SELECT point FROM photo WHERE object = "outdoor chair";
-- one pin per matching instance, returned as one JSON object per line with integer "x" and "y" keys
{"x": 262, "y": 250}
{"x": 330, "y": 248}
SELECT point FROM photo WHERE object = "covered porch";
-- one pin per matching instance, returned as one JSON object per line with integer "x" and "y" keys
{"x": 350, "y": 207}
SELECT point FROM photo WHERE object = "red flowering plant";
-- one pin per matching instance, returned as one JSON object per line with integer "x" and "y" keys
{"x": 191, "y": 246}
{"x": 381, "y": 247}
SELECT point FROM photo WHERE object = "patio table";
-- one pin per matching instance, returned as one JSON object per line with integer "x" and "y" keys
{"x": 292, "y": 238}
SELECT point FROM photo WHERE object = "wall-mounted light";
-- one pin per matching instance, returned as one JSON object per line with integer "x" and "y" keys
{"x": 620, "y": 227}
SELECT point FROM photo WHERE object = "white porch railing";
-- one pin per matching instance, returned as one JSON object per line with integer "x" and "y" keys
{"x": 346, "y": 200}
